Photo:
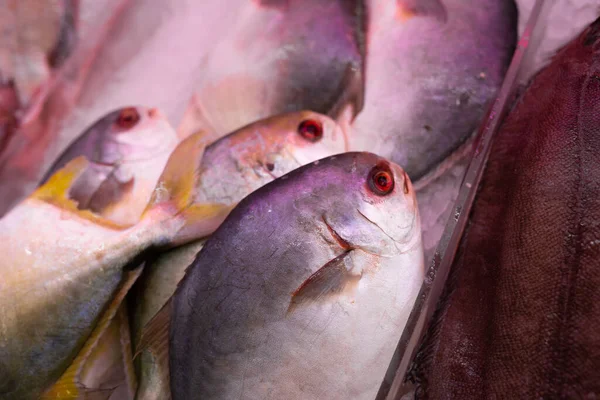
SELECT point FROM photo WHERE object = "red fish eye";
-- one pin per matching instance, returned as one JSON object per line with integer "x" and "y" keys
{"x": 127, "y": 118}
{"x": 381, "y": 180}
{"x": 310, "y": 130}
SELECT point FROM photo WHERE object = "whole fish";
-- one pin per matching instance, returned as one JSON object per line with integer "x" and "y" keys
{"x": 432, "y": 68}
{"x": 127, "y": 150}
{"x": 282, "y": 56}
{"x": 519, "y": 318}
{"x": 231, "y": 168}
{"x": 63, "y": 265}
{"x": 304, "y": 290}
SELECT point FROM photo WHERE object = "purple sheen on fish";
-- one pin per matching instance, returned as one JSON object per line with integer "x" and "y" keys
{"x": 304, "y": 290}
{"x": 432, "y": 68}
{"x": 282, "y": 56}
{"x": 55, "y": 283}
{"x": 232, "y": 168}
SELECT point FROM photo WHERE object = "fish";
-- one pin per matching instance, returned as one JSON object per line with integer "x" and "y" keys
{"x": 519, "y": 314}
{"x": 55, "y": 282}
{"x": 282, "y": 56}
{"x": 231, "y": 168}
{"x": 127, "y": 149}
{"x": 304, "y": 289}
{"x": 433, "y": 66}
{"x": 44, "y": 128}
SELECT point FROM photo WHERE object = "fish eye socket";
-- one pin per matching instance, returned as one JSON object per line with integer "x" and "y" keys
{"x": 310, "y": 130}
{"x": 381, "y": 180}
{"x": 128, "y": 118}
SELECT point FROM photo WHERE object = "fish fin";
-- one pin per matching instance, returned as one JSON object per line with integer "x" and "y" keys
{"x": 201, "y": 221}
{"x": 330, "y": 279}
{"x": 406, "y": 9}
{"x": 155, "y": 334}
{"x": 350, "y": 94}
{"x": 56, "y": 192}
{"x": 175, "y": 189}
{"x": 71, "y": 384}
{"x": 153, "y": 348}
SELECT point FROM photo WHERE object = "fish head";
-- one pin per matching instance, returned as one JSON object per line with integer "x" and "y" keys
{"x": 268, "y": 149}
{"x": 132, "y": 134}
{"x": 296, "y": 139}
{"x": 385, "y": 220}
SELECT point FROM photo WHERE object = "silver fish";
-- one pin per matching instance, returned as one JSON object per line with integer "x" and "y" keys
{"x": 303, "y": 292}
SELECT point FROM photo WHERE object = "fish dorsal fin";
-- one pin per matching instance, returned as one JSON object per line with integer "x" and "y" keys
{"x": 175, "y": 192}
{"x": 56, "y": 192}
{"x": 178, "y": 180}
{"x": 70, "y": 385}
{"x": 331, "y": 279}
{"x": 153, "y": 349}
{"x": 406, "y": 9}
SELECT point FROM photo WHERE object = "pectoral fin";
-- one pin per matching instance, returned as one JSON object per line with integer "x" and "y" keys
{"x": 331, "y": 279}
{"x": 103, "y": 364}
{"x": 56, "y": 192}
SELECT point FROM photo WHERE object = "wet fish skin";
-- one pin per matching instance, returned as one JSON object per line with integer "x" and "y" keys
{"x": 432, "y": 68}
{"x": 283, "y": 56}
{"x": 237, "y": 329}
{"x": 56, "y": 282}
{"x": 255, "y": 154}
{"x": 231, "y": 168}
{"x": 520, "y": 312}
{"x": 127, "y": 149}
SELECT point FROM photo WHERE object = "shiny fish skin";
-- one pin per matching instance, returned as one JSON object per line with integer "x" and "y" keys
{"x": 431, "y": 71}
{"x": 63, "y": 265}
{"x": 126, "y": 160}
{"x": 231, "y": 168}
{"x": 233, "y": 333}
{"x": 283, "y": 56}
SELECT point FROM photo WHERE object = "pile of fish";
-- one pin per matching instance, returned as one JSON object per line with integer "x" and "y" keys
{"x": 200, "y": 201}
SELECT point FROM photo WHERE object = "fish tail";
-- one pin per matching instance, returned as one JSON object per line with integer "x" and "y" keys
{"x": 173, "y": 196}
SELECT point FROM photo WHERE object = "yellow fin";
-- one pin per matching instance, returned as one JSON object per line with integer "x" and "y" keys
{"x": 175, "y": 192}
{"x": 177, "y": 182}
{"x": 56, "y": 192}
{"x": 201, "y": 221}
{"x": 70, "y": 386}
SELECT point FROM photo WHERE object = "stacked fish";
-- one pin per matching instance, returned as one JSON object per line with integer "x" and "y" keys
{"x": 269, "y": 246}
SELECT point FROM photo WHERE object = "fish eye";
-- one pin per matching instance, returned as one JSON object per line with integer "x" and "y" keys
{"x": 127, "y": 118}
{"x": 381, "y": 180}
{"x": 310, "y": 130}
